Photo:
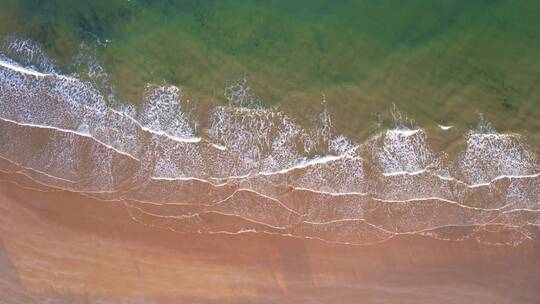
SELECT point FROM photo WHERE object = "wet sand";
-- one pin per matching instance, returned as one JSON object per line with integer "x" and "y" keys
{"x": 65, "y": 247}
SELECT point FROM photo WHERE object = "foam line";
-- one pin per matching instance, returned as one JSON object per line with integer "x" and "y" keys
{"x": 21, "y": 69}
{"x": 28, "y": 71}
{"x": 176, "y": 217}
{"x": 258, "y": 194}
{"x": 306, "y": 163}
{"x": 405, "y": 132}
{"x": 411, "y": 200}
{"x": 490, "y": 182}
{"x": 443, "y": 127}
{"x": 405, "y": 173}
{"x": 70, "y": 132}
{"x": 37, "y": 171}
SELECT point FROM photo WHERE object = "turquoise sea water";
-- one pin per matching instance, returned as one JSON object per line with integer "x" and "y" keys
{"x": 440, "y": 62}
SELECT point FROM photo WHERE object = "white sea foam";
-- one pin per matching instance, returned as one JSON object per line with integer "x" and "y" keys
{"x": 492, "y": 155}
{"x": 305, "y": 163}
{"x": 162, "y": 113}
{"x": 402, "y": 151}
{"x": 17, "y": 68}
{"x": 251, "y": 163}
{"x": 443, "y": 127}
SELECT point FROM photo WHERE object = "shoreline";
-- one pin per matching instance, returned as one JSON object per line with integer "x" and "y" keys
{"x": 67, "y": 245}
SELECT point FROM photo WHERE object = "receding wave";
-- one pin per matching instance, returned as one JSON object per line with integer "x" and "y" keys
{"x": 256, "y": 170}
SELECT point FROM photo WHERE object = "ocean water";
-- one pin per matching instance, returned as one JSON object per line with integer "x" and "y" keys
{"x": 442, "y": 62}
{"x": 350, "y": 123}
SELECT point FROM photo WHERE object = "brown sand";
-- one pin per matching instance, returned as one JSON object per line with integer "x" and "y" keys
{"x": 65, "y": 247}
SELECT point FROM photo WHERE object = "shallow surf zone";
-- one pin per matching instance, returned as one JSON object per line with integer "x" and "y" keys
{"x": 250, "y": 169}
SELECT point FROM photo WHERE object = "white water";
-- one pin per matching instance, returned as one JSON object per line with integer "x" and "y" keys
{"x": 257, "y": 166}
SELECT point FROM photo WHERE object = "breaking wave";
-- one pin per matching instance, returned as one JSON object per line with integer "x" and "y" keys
{"x": 253, "y": 169}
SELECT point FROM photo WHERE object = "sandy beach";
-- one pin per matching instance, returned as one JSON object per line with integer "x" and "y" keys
{"x": 68, "y": 247}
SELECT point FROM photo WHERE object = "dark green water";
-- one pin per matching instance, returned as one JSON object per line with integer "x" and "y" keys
{"x": 438, "y": 61}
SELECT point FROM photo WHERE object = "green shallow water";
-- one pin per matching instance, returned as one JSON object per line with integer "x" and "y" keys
{"x": 440, "y": 62}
